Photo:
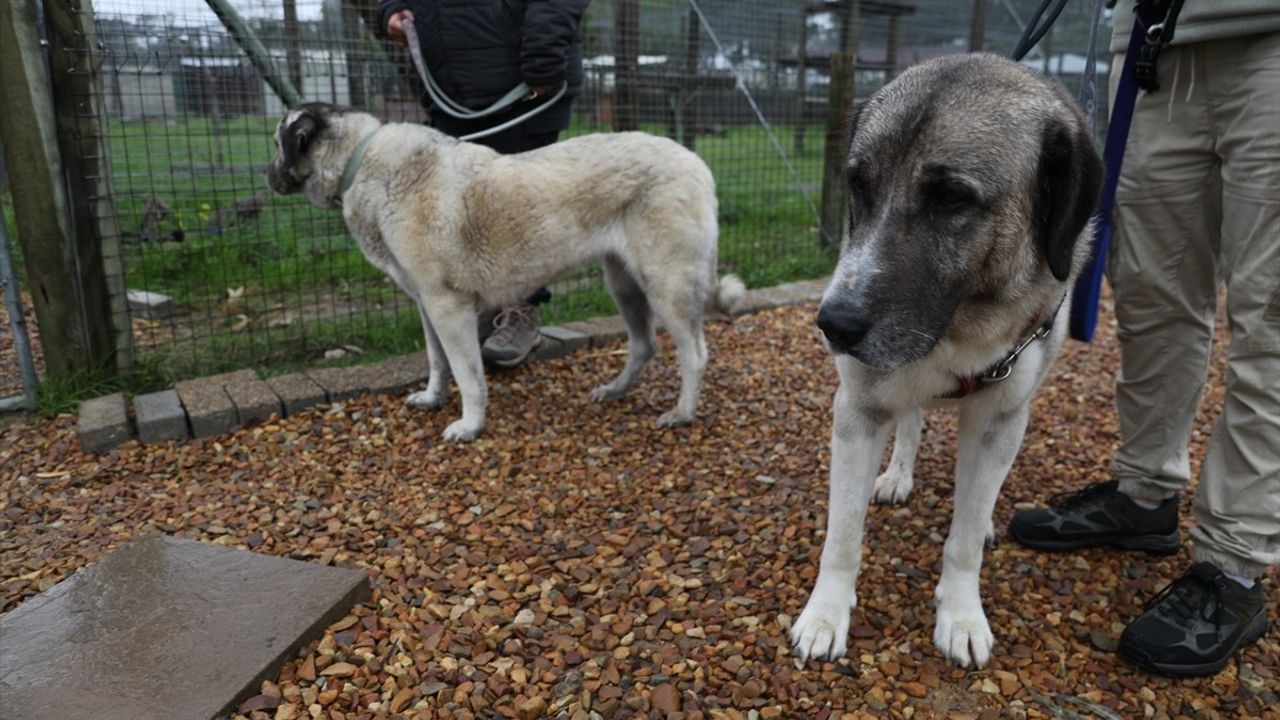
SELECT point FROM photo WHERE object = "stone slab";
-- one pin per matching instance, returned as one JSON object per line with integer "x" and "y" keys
{"x": 165, "y": 628}
{"x": 296, "y": 391}
{"x": 209, "y": 408}
{"x": 571, "y": 339}
{"x": 104, "y": 423}
{"x": 150, "y": 305}
{"x": 601, "y": 330}
{"x": 254, "y": 399}
{"x": 549, "y": 349}
{"x": 160, "y": 417}
{"x": 398, "y": 374}
{"x": 343, "y": 383}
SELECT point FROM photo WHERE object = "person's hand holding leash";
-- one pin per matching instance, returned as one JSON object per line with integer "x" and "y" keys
{"x": 537, "y": 91}
{"x": 395, "y": 26}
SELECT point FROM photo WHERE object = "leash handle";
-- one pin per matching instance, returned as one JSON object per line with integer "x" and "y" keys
{"x": 1088, "y": 289}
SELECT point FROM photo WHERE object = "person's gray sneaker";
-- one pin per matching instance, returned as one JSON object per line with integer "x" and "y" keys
{"x": 516, "y": 334}
{"x": 484, "y": 324}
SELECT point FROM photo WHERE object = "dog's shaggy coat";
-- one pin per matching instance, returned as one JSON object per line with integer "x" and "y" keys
{"x": 461, "y": 228}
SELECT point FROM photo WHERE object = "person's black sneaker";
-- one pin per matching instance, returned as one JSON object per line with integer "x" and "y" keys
{"x": 1098, "y": 516}
{"x": 1196, "y": 623}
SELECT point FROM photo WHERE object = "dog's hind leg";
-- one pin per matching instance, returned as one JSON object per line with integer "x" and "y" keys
{"x": 858, "y": 435}
{"x": 988, "y": 443}
{"x": 635, "y": 310}
{"x": 438, "y": 372}
{"x": 454, "y": 321}
{"x": 895, "y": 483}
{"x": 683, "y": 320}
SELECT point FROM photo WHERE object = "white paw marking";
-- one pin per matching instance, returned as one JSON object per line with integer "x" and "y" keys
{"x": 674, "y": 418}
{"x": 425, "y": 400}
{"x": 460, "y": 431}
{"x": 962, "y": 633}
{"x": 892, "y": 487}
{"x": 822, "y": 630}
{"x": 606, "y": 392}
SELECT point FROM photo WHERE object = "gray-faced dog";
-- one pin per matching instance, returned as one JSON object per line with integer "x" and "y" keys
{"x": 461, "y": 228}
{"x": 972, "y": 181}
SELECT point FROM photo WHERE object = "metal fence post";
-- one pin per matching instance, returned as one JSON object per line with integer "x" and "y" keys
{"x": 21, "y": 340}
{"x": 65, "y": 271}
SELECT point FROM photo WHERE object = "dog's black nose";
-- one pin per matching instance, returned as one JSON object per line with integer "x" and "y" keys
{"x": 843, "y": 326}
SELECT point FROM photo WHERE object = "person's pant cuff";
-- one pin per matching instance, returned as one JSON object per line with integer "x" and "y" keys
{"x": 1228, "y": 562}
{"x": 1144, "y": 491}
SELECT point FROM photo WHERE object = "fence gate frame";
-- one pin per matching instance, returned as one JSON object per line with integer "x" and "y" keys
{"x": 59, "y": 179}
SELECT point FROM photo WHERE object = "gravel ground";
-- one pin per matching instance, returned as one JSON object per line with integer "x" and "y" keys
{"x": 10, "y": 370}
{"x": 576, "y": 561}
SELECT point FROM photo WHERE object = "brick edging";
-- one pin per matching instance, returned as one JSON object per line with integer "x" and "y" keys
{"x": 220, "y": 404}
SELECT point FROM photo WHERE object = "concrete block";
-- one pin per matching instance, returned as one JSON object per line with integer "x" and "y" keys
{"x": 296, "y": 391}
{"x": 398, "y": 374}
{"x": 571, "y": 339}
{"x": 160, "y": 417}
{"x": 343, "y": 383}
{"x": 254, "y": 399}
{"x": 549, "y": 349}
{"x": 104, "y": 423}
{"x": 209, "y": 408}
{"x": 165, "y": 628}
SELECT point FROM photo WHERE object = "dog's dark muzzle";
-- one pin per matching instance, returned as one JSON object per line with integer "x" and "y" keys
{"x": 281, "y": 182}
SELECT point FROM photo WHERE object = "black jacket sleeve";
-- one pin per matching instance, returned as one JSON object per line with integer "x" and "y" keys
{"x": 386, "y": 9}
{"x": 550, "y": 27}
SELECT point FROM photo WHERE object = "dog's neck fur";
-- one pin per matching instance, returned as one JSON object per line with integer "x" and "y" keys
{"x": 330, "y": 160}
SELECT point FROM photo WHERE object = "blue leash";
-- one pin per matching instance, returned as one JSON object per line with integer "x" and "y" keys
{"x": 1088, "y": 290}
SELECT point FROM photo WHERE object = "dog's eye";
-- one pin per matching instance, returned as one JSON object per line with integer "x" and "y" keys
{"x": 859, "y": 188}
{"x": 948, "y": 196}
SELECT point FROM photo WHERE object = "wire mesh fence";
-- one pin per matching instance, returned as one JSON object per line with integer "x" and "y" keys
{"x": 220, "y": 273}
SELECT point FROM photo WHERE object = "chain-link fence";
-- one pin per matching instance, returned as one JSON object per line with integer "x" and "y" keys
{"x": 221, "y": 273}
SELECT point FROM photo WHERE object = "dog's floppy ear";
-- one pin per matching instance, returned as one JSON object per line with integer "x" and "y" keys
{"x": 1068, "y": 182}
{"x": 297, "y": 135}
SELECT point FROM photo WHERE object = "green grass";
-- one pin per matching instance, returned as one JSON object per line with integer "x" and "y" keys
{"x": 274, "y": 291}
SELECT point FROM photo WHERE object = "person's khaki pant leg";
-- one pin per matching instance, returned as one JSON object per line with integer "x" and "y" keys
{"x": 1163, "y": 268}
{"x": 1237, "y": 504}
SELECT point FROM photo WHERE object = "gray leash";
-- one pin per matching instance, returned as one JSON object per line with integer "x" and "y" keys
{"x": 455, "y": 109}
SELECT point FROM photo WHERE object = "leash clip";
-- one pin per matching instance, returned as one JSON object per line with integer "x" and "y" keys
{"x": 1003, "y": 369}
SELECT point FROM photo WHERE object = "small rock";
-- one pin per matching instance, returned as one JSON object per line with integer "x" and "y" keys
{"x": 665, "y": 698}
{"x": 915, "y": 689}
{"x": 401, "y": 699}
{"x": 1102, "y": 641}
{"x": 259, "y": 702}
{"x": 339, "y": 669}
{"x": 524, "y": 617}
{"x": 532, "y": 708}
{"x": 307, "y": 670}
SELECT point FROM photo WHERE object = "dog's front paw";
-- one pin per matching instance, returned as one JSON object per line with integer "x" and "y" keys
{"x": 425, "y": 400}
{"x": 822, "y": 630}
{"x": 892, "y": 487}
{"x": 963, "y": 635}
{"x": 461, "y": 431}
{"x": 674, "y": 418}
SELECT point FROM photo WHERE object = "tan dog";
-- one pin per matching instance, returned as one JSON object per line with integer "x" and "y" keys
{"x": 461, "y": 228}
{"x": 972, "y": 181}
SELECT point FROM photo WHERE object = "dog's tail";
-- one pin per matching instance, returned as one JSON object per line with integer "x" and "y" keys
{"x": 729, "y": 294}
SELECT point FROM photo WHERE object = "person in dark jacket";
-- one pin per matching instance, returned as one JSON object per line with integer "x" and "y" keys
{"x": 477, "y": 52}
